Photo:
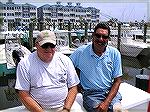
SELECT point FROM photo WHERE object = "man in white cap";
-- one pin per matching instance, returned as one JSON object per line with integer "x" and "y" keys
{"x": 46, "y": 79}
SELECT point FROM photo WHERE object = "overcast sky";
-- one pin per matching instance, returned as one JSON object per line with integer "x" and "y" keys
{"x": 122, "y": 11}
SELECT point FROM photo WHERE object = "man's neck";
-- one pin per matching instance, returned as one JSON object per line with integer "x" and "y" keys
{"x": 99, "y": 51}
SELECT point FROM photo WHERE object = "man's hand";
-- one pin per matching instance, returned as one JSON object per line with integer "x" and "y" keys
{"x": 103, "y": 107}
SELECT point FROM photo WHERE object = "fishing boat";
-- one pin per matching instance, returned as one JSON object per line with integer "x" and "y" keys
{"x": 12, "y": 42}
{"x": 7, "y": 65}
{"x": 3, "y": 64}
{"x": 130, "y": 44}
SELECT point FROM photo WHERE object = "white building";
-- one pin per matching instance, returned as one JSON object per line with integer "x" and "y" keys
{"x": 15, "y": 15}
{"x": 19, "y": 15}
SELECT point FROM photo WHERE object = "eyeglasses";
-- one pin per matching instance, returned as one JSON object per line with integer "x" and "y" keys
{"x": 101, "y": 36}
{"x": 48, "y": 45}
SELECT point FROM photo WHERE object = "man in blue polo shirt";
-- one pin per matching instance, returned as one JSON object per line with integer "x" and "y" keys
{"x": 100, "y": 72}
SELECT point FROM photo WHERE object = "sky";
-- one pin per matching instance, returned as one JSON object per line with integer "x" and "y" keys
{"x": 124, "y": 11}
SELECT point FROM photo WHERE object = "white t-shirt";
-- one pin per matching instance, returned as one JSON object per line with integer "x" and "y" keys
{"x": 47, "y": 83}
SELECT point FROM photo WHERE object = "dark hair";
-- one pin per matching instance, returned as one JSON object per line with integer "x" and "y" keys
{"x": 103, "y": 26}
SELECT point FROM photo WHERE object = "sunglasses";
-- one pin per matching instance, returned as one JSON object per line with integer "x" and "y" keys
{"x": 48, "y": 45}
{"x": 101, "y": 36}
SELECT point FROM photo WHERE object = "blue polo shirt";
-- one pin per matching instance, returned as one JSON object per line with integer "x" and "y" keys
{"x": 97, "y": 72}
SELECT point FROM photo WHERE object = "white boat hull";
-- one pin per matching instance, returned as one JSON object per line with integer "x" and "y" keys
{"x": 136, "y": 101}
{"x": 132, "y": 48}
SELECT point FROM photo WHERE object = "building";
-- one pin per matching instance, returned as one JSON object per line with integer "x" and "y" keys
{"x": 60, "y": 13}
{"x": 18, "y": 16}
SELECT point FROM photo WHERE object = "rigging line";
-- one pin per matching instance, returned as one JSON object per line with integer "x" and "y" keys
{"x": 130, "y": 13}
{"x": 106, "y": 15}
{"x": 122, "y": 15}
{"x": 109, "y": 17}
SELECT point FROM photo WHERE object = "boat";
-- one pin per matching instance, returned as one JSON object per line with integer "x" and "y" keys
{"x": 130, "y": 44}
{"x": 62, "y": 42}
{"x": 136, "y": 101}
{"x": 12, "y": 42}
{"x": 3, "y": 65}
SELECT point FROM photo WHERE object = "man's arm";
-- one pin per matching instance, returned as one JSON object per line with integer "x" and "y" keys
{"x": 29, "y": 102}
{"x": 112, "y": 93}
{"x": 114, "y": 90}
{"x": 70, "y": 98}
{"x": 79, "y": 87}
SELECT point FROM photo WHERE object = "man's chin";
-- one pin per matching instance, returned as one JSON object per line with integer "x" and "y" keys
{"x": 102, "y": 44}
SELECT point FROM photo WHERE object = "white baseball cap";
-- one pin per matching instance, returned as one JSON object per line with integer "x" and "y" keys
{"x": 46, "y": 36}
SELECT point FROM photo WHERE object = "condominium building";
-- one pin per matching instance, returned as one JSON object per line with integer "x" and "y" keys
{"x": 16, "y": 15}
{"x": 60, "y": 13}
{"x": 19, "y": 15}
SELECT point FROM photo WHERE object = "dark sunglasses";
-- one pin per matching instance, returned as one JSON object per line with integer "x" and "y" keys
{"x": 48, "y": 45}
{"x": 101, "y": 36}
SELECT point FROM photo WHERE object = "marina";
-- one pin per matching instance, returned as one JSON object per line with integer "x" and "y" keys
{"x": 131, "y": 68}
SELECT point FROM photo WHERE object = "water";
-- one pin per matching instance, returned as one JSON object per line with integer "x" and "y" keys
{"x": 133, "y": 67}
{"x": 8, "y": 98}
